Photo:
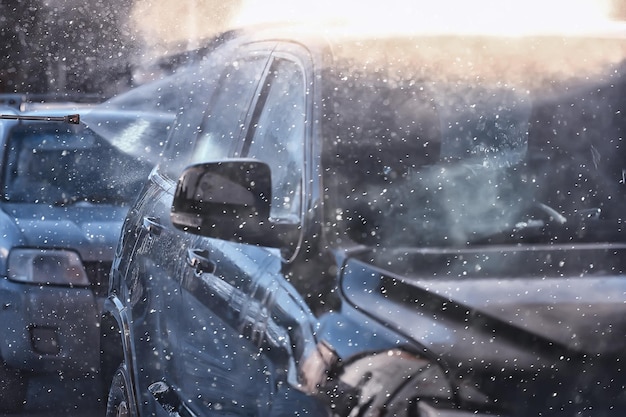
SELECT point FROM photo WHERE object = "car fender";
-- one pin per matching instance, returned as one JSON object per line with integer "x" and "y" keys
{"x": 115, "y": 342}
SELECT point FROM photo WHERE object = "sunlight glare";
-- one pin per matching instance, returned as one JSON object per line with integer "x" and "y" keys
{"x": 506, "y": 17}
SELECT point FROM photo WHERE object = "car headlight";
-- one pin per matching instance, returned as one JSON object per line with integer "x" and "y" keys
{"x": 46, "y": 266}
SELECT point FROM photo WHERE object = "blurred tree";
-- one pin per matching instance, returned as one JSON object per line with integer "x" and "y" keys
{"x": 61, "y": 46}
{"x": 20, "y": 67}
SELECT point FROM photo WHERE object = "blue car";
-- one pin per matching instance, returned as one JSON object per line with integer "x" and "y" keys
{"x": 386, "y": 225}
{"x": 64, "y": 192}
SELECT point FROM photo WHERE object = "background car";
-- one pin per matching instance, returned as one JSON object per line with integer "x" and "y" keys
{"x": 418, "y": 225}
{"x": 65, "y": 190}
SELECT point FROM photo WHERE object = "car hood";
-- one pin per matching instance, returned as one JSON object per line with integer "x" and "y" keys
{"x": 510, "y": 306}
{"x": 92, "y": 230}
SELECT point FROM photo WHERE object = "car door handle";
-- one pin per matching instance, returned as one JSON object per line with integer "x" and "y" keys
{"x": 152, "y": 225}
{"x": 199, "y": 260}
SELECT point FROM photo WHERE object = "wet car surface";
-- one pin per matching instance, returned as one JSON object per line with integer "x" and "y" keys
{"x": 410, "y": 226}
{"x": 50, "y": 395}
{"x": 65, "y": 192}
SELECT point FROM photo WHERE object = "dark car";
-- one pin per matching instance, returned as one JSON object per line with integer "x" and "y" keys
{"x": 64, "y": 192}
{"x": 417, "y": 225}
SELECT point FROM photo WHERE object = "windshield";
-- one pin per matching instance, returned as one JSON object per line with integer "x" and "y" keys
{"x": 58, "y": 164}
{"x": 446, "y": 153}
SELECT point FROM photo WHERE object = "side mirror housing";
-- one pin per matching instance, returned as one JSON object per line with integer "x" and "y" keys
{"x": 229, "y": 200}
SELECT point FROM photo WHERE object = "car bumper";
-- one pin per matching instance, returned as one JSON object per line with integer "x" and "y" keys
{"x": 49, "y": 329}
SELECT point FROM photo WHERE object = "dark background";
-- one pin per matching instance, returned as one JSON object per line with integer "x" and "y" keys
{"x": 50, "y": 46}
{"x": 99, "y": 47}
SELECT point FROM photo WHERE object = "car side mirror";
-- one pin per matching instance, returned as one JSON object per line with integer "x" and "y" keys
{"x": 229, "y": 200}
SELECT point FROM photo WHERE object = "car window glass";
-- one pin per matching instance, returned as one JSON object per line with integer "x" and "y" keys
{"x": 48, "y": 164}
{"x": 224, "y": 122}
{"x": 180, "y": 141}
{"x": 278, "y": 137}
{"x": 205, "y": 109}
{"x": 439, "y": 159}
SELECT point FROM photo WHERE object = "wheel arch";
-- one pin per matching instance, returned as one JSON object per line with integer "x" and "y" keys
{"x": 115, "y": 345}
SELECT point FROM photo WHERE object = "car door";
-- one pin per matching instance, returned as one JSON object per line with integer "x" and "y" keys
{"x": 199, "y": 343}
{"x": 161, "y": 253}
{"x": 243, "y": 319}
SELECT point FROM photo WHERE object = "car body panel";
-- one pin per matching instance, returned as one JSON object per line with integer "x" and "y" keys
{"x": 55, "y": 327}
{"x": 36, "y": 340}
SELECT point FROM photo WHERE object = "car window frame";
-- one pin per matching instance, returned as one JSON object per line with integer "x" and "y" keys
{"x": 303, "y": 58}
{"x": 269, "y": 103}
